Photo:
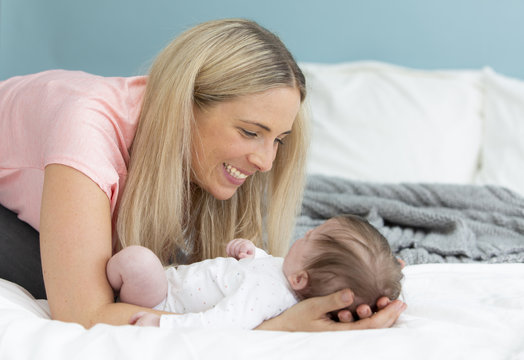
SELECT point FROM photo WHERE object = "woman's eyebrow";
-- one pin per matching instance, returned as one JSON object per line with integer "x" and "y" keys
{"x": 264, "y": 127}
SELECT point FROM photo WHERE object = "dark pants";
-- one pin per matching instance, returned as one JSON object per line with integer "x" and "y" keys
{"x": 20, "y": 254}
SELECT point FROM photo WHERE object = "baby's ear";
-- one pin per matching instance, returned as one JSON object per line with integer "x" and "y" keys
{"x": 299, "y": 280}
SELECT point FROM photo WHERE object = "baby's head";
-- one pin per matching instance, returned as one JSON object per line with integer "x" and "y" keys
{"x": 344, "y": 252}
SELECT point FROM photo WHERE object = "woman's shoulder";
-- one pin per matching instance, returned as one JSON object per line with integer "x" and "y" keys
{"x": 73, "y": 83}
{"x": 74, "y": 102}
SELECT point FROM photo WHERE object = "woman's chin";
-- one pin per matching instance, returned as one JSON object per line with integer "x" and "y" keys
{"x": 218, "y": 191}
{"x": 223, "y": 194}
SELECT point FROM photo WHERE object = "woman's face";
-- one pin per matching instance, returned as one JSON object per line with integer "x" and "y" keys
{"x": 237, "y": 138}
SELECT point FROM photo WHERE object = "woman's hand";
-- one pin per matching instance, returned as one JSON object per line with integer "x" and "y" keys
{"x": 311, "y": 315}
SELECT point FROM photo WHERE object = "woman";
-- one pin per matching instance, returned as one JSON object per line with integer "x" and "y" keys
{"x": 210, "y": 147}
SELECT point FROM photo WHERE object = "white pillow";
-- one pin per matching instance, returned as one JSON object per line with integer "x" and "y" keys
{"x": 502, "y": 154}
{"x": 378, "y": 122}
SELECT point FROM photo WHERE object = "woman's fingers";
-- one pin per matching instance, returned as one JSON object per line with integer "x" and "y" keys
{"x": 383, "y": 318}
{"x": 364, "y": 311}
{"x": 388, "y": 311}
{"x": 336, "y": 301}
{"x": 383, "y": 302}
{"x": 311, "y": 315}
{"x": 345, "y": 316}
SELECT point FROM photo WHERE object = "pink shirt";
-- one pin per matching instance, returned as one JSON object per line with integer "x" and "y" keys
{"x": 72, "y": 118}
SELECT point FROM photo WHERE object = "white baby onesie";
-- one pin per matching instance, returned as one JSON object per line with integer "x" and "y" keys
{"x": 226, "y": 293}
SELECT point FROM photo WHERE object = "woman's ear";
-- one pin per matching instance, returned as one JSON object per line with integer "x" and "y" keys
{"x": 299, "y": 280}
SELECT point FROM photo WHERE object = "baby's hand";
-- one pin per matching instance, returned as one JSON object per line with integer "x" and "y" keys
{"x": 144, "y": 318}
{"x": 240, "y": 249}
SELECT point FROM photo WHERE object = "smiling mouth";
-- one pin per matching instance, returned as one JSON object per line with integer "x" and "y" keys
{"x": 234, "y": 172}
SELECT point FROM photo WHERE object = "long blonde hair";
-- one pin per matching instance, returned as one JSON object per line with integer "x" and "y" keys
{"x": 160, "y": 208}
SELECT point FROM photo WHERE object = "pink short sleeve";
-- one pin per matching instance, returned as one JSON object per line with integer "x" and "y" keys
{"x": 76, "y": 119}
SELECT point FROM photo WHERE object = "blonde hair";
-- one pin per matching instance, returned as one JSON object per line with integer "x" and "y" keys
{"x": 161, "y": 209}
{"x": 355, "y": 255}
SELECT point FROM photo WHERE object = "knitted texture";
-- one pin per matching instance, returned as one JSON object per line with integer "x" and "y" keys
{"x": 425, "y": 223}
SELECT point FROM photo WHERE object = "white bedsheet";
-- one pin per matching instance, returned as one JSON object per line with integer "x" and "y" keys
{"x": 456, "y": 311}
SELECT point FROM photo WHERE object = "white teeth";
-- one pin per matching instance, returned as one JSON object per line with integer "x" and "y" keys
{"x": 234, "y": 172}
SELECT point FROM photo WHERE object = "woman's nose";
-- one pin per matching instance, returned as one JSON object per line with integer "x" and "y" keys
{"x": 262, "y": 158}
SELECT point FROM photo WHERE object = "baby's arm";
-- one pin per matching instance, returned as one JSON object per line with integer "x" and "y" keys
{"x": 245, "y": 308}
{"x": 240, "y": 249}
{"x": 138, "y": 275}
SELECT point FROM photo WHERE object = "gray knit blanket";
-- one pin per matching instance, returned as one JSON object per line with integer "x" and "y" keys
{"x": 425, "y": 223}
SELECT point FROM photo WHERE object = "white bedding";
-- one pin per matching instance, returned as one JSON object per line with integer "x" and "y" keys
{"x": 456, "y": 311}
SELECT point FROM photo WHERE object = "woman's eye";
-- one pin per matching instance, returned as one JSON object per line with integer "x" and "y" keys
{"x": 251, "y": 134}
{"x": 248, "y": 133}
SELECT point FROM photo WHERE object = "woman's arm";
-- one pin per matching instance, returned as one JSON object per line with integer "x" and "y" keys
{"x": 75, "y": 243}
{"x": 310, "y": 315}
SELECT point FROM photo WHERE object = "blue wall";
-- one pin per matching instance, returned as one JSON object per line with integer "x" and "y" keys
{"x": 120, "y": 37}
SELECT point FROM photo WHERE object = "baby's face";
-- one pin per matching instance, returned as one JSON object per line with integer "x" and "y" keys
{"x": 303, "y": 248}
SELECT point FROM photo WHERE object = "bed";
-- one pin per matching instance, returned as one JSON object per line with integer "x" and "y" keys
{"x": 434, "y": 160}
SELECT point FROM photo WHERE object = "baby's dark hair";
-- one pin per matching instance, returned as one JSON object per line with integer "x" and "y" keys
{"x": 354, "y": 255}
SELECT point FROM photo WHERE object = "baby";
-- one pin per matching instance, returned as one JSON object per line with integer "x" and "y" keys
{"x": 250, "y": 286}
